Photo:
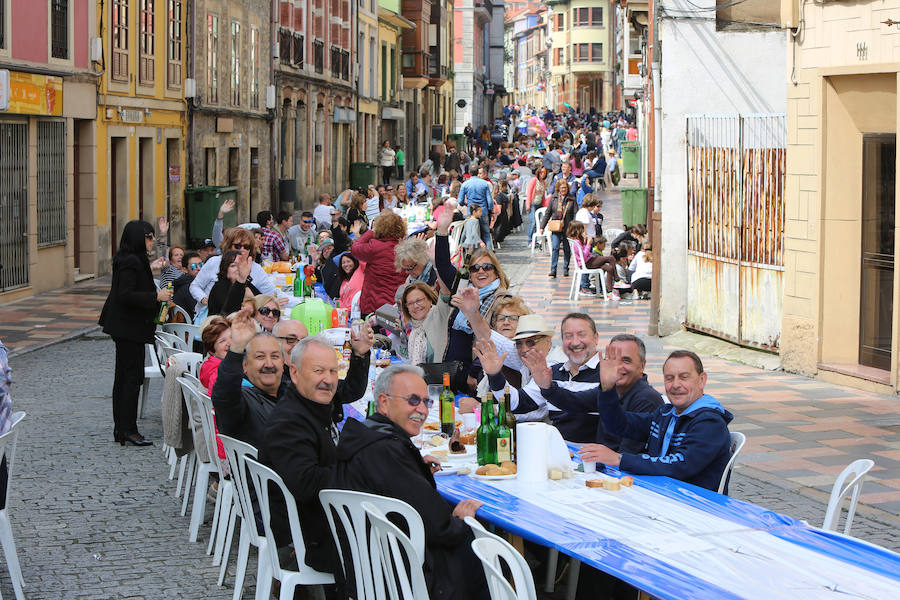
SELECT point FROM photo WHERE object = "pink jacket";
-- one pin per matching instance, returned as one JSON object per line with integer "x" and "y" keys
{"x": 351, "y": 286}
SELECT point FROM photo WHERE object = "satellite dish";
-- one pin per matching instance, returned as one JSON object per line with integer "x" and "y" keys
{"x": 461, "y": 103}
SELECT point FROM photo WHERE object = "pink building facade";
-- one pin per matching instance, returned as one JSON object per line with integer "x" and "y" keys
{"x": 48, "y": 109}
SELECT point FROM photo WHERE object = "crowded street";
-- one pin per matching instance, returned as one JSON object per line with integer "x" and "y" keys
{"x": 450, "y": 299}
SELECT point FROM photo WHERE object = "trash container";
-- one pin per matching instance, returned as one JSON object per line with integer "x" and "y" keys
{"x": 202, "y": 207}
{"x": 458, "y": 139}
{"x": 634, "y": 206}
{"x": 362, "y": 174}
{"x": 631, "y": 157}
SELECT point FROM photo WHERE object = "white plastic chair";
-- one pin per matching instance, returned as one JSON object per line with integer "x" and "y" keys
{"x": 849, "y": 482}
{"x": 198, "y": 408}
{"x": 237, "y": 451}
{"x": 191, "y": 360}
{"x": 494, "y": 551}
{"x": 346, "y": 505}
{"x": 521, "y": 572}
{"x": 8, "y": 451}
{"x": 177, "y": 310}
{"x": 397, "y": 553}
{"x": 185, "y": 331}
{"x": 262, "y": 477}
{"x": 546, "y": 236}
{"x": 738, "y": 440}
{"x": 173, "y": 341}
{"x": 581, "y": 269}
{"x": 611, "y": 234}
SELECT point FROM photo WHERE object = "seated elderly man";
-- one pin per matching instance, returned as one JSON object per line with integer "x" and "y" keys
{"x": 242, "y": 410}
{"x": 631, "y": 389}
{"x": 353, "y": 386}
{"x": 378, "y": 457}
{"x": 299, "y": 444}
{"x": 686, "y": 440}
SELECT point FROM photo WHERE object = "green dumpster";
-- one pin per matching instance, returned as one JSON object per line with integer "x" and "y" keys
{"x": 631, "y": 157}
{"x": 634, "y": 206}
{"x": 362, "y": 174}
{"x": 202, "y": 207}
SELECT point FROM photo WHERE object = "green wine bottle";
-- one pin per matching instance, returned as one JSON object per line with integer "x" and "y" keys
{"x": 163, "y": 315}
{"x": 485, "y": 436}
{"x": 448, "y": 416}
{"x": 511, "y": 424}
{"x": 503, "y": 434}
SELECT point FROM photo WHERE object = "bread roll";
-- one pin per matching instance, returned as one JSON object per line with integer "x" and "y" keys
{"x": 488, "y": 470}
{"x": 507, "y": 471}
{"x": 556, "y": 474}
{"x": 508, "y": 464}
{"x": 611, "y": 484}
{"x": 627, "y": 481}
{"x": 594, "y": 483}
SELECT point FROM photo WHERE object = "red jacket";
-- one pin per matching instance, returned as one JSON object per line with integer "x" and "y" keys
{"x": 381, "y": 279}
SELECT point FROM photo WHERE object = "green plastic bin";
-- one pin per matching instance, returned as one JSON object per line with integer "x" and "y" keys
{"x": 631, "y": 157}
{"x": 459, "y": 140}
{"x": 634, "y": 206}
{"x": 362, "y": 174}
{"x": 202, "y": 207}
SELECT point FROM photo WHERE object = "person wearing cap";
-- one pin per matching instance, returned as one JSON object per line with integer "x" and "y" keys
{"x": 206, "y": 249}
{"x": 533, "y": 337}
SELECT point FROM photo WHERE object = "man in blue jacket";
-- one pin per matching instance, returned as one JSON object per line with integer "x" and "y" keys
{"x": 687, "y": 440}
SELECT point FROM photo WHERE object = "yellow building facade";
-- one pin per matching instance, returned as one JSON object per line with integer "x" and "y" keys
{"x": 141, "y": 121}
{"x": 841, "y": 316}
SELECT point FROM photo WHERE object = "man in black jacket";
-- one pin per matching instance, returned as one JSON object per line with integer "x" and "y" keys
{"x": 378, "y": 457}
{"x": 299, "y": 444}
{"x": 631, "y": 390}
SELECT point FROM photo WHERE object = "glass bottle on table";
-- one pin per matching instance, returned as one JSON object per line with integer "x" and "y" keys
{"x": 461, "y": 280}
{"x": 503, "y": 435}
{"x": 510, "y": 420}
{"x": 486, "y": 435}
{"x": 448, "y": 414}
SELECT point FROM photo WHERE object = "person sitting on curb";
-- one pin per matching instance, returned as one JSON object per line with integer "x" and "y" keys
{"x": 686, "y": 440}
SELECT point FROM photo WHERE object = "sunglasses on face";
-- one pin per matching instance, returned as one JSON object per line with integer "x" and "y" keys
{"x": 266, "y": 311}
{"x": 528, "y": 343}
{"x": 242, "y": 246}
{"x": 415, "y": 400}
{"x": 195, "y": 266}
{"x": 486, "y": 267}
{"x": 290, "y": 339}
{"x": 309, "y": 221}
{"x": 149, "y": 236}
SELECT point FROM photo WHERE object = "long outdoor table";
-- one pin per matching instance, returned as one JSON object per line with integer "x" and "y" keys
{"x": 674, "y": 540}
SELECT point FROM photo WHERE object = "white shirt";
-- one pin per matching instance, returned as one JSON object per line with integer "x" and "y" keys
{"x": 206, "y": 279}
{"x": 584, "y": 216}
{"x": 644, "y": 270}
{"x": 372, "y": 209}
{"x": 532, "y": 389}
{"x": 322, "y": 214}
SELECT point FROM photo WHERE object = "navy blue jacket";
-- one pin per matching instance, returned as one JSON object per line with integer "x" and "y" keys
{"x": 695, "y": 449}
{"x": 641, "y": 398}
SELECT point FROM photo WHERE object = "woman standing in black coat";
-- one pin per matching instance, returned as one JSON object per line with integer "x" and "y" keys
{"x": 127, "y": 317}
{"x": 562, "y": 207}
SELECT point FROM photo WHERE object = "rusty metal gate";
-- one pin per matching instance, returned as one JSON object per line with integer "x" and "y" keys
{"x": 13, "y": 204}
{"x": 735, "y": 196}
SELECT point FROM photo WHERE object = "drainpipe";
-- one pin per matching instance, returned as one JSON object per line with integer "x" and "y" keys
{"x": 656, "y": 215}
{"x": 274, "y": 191}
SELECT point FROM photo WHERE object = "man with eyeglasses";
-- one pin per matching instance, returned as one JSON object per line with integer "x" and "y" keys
{"x": 378, "y": 457}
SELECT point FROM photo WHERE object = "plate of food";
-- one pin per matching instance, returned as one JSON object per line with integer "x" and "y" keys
{"x": 505, "y": 470}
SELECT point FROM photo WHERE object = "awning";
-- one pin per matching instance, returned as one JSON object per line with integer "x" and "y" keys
{"x": 392, "y": 114}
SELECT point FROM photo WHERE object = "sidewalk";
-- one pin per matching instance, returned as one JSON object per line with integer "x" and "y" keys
{"x": 53, "y": 316}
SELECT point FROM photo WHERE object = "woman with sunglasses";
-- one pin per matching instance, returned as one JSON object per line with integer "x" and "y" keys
{"x": 231, "y": 288}
{"x": 127, "y": 316}
{"x": 241, "y": 240}
{"x": 267, "y": 311}
{"x": 486, "y": 277}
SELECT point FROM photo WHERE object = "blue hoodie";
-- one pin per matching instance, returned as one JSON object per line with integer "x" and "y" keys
{"x": 694, "y": 446}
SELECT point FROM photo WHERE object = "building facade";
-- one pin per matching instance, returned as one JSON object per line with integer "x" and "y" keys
{"x": 841, "y": 315}
{"x": 582, "y": 54}
{"x": 141, "y": 119}
{"x": 527, "y": 70}
{"x": 229, "y": 72}
{"x": 391, "y": 26}
{"x": 478, "y": 62}
{"x": 47, "y": 138}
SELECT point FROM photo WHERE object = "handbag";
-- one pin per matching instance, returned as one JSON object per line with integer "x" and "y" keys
{"x": 555, "y": 225}
{"x": 434, "y": 374}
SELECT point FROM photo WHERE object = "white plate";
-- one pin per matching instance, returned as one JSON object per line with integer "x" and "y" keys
{"x": 469, "y": 453}
{"x": 492, "y": 477}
